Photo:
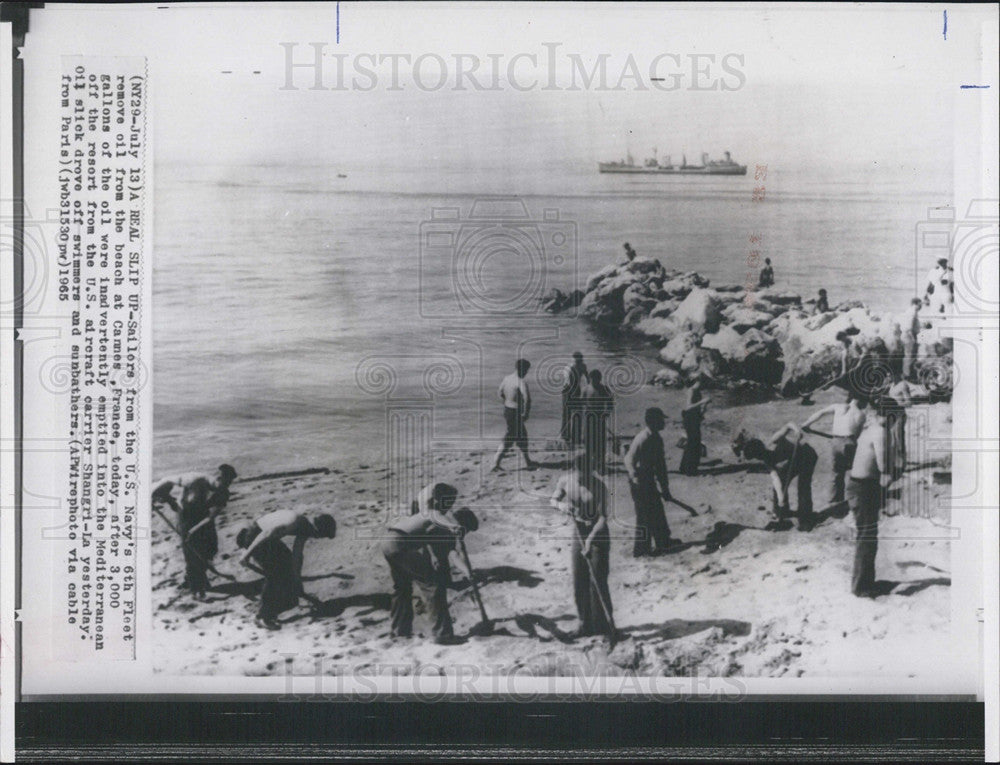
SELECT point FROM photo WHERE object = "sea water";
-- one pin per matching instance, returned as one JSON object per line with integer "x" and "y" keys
{"x": 294, "y": 311}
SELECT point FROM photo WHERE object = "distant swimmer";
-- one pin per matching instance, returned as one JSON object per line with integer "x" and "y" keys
{"x": 417, "y": 549}
{"x": 766, "y": 275}
{"x": 848, "y": 422}
{"x": 864, "y": 495}
{"x": 629, "y": 252}
{"x": 197, "y": 499}
{"x": 270, "y": 528}
{"x": 787, "y": 456}
{"x": 516, "y": 400}
{"x": 280, "y": 567}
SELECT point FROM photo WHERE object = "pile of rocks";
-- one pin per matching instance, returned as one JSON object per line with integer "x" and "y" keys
{"x": 729, "y": 336}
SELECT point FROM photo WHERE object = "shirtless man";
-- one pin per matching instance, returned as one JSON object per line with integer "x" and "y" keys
{"x": 197, "y": 499}
{"x": 286, "y": 523}
{"x": 417, "y": 549}
{"x": 864, "y": 497}
{"x": 516, "y": 398}
{"x": 848, "y": 422}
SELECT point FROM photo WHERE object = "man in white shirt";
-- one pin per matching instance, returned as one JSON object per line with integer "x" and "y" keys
{"x": 516, "y": 400}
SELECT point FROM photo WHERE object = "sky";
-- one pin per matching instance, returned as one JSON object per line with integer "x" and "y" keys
{"x": 823, "y": 84}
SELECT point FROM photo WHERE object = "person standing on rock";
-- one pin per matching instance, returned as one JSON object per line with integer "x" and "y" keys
{"x": 646, "y": 466}
{"x": 766, "y": 275}
{"x": 864, "y": 496}
{"x": 787, "y": 456}
{"x": 516, "y": 408}
{"x": 848, "y": 422}
{"x": 822, "y": 304}
{"x": 280, "y": 567}
{"x": 629, "y": 252}
{"x": 199, "y": 500}
{"x": 691, "y": 417}
{"x": 583, "y": 495}
{"x": 417, "y": 549}
{"x": 598, "y": 406}
{"x": 574, "y": 387}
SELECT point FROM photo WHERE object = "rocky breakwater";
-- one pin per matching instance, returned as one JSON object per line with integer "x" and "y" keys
{"x": 729, "y": 337}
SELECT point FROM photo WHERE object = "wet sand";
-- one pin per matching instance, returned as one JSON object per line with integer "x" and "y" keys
{"x": 761, "y": 604}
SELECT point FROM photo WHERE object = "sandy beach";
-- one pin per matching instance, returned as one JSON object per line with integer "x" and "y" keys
{"x": 698, "y": 611}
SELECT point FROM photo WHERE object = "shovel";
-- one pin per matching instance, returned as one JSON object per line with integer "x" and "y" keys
{"x": 613, "y": 637}
{"x": 485, "y": 627}
{"x": 184, "y": 542}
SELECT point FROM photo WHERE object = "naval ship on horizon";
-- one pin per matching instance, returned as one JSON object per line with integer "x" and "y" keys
{"x": 725, "y": 166}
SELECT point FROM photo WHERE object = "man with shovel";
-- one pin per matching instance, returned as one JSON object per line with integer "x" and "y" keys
{"x": 583, "y": 495}
{"x": 200, "y": 499}
{"x": 417, "y": 548}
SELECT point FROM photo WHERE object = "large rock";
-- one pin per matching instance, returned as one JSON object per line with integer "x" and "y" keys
{"x": 668, "y": 378}
{"x": 741, "y": 318}
{"x": 679, "y": 352}
{"x": 678, "y": 285}
{"x": 698, "y": 313}
{"x": 752, "y": 355}
{"x": 659, "y": 327}
{"x": 635, "y": 295}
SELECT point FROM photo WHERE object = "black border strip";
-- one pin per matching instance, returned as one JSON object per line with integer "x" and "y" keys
{"x": 564, "y": 731}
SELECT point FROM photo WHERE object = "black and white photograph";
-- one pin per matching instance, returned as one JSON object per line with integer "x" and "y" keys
{"x": 575, "y": 348}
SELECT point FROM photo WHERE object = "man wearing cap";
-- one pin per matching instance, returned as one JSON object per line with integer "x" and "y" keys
{"x": 516, "y": 400}
{"x": 573, "y": 403}
{"x": 646, "y": 466}
{"x": 197, "y": 499}
{"x": 416, "y": 549}
{"x": 286, "y": 523}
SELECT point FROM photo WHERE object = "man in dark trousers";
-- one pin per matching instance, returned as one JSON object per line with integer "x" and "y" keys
{"x": 646, "y": 466}
{"x": 280, "y": 567}
{"x": 573, "y": 403}
{"x": 583, "y": 495}
{"x": 516, "y": 409}
{"x": 691, "y": 417}
{"x": 864, "y": 496}
{"x": 417, "y": 549}
{"x": 197, "y": 500}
